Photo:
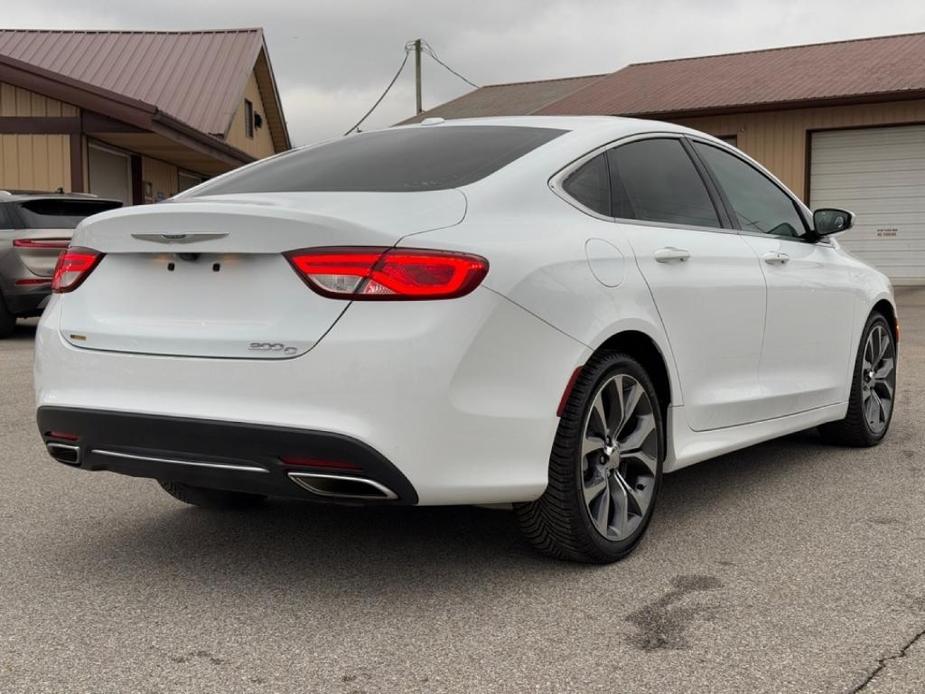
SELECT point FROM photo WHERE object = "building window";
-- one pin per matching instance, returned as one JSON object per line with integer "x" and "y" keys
{"x": 248, "y": 119}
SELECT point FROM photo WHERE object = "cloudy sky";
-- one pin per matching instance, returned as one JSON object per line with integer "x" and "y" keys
{"x": 333, "y": 58}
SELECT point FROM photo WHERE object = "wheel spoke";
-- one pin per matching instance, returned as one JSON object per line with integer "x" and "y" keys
{"x": 591, "y": 443}
{"x": 600, "y": 510}
{"x": 630, "y": 403}
{"x": 643, "y": 457}
{"x": 621, "y": 500}
{"x": 617, "y": 408}
{"x": 598, "y": 411}
{"x": 882, "y": 344}
{"x": 595, "y": 487}
{"x": 884, "y": 369}
{"x": 637, "y": 438}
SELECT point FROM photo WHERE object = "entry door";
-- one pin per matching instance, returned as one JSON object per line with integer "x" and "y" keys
{"x": 705, "y": 280}
{"x": 110, "y": 173}
{"x": 879, "y": 174}
{"x": 807, "y": 347}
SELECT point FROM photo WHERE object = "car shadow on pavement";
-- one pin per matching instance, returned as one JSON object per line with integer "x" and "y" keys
{"x": 327, "y": 548}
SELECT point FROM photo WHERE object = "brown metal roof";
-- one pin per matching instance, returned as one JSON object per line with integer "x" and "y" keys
{"x": 863, "y": 69}
{"x": 197, "y": 77}
{"x": 512, "y": 99}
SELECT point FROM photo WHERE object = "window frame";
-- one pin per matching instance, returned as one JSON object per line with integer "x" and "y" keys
{"x": 249, "y": 125}
{"x": 801, "y": 209}
{"x": 557, "y": 180}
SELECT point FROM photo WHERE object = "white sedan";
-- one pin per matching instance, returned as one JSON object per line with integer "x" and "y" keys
{"x": 545, "y": 312}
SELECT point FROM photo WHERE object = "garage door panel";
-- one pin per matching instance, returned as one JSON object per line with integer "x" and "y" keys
{"x": 887, "y": 166}
{"x": 865, "y": 205}
{"x": 879, "y": 174}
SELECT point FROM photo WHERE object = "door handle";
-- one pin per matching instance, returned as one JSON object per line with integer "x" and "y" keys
{"x": 670, "y": 254}
{"x": 775, "y": 258}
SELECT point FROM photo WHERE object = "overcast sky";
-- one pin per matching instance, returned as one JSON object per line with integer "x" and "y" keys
{"x": 332, "y": 59}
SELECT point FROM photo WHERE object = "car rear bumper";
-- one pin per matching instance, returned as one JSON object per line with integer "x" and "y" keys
{"x": 27, "y": 302}
{"x": 459, "y": 396}
{"x": 259, "y": 459}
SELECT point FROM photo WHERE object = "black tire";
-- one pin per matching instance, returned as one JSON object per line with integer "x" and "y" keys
{"x": 855, "y": 430}
{"x": 215, "y": 499}
{"x": 7, "y": 320}
{"x": 559, "y": 523}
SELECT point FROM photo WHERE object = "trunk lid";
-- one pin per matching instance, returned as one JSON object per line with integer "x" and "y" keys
{"x": 206, "y": 277}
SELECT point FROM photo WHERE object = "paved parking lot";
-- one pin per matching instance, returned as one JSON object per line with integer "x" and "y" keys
{"x": 791, "y": 566}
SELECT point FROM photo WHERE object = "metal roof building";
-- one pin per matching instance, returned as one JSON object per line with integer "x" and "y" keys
{"x": 134, "y": 115}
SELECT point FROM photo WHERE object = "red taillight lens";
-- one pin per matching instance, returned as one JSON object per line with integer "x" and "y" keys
{"x": 388, "y": 273}
{"x": 41, "y": 243}
{"x": 73, "y": 266}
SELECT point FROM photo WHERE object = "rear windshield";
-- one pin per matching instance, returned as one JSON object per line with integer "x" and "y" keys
{"x": 406, "y": 160}
{"x": 59, "y": 214}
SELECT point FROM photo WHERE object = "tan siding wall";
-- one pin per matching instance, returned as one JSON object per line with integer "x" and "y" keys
{"x": 778, "y": 138}
{"x": 15, "y": 101}
{"x": 161, "y": 175}
{"x": 261, "y": 145}
{"x": 35, "y": 162}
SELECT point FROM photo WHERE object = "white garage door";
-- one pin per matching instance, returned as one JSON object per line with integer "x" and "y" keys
{"x": 110, "y": 174}
{"x": 879, "y": 174}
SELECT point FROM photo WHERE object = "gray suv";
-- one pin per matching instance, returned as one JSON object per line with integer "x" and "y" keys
{"x": 34, "y": 229}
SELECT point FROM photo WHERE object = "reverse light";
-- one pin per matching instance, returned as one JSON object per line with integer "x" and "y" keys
{"x": 72, "y": 269}
{"x": 396, "y": 274}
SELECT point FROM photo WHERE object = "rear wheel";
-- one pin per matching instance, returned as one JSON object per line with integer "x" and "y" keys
{"x": 873, "y": 389}
{"x": 605, "y": 468}
{"x": 7, "y": 320}
{"x": 210, "y": 498}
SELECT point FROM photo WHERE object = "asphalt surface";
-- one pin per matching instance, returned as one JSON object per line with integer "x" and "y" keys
{"x": 790, "y": 566}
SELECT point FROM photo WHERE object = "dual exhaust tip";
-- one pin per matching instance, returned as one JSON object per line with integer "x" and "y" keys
{"x": 330, "y": 486}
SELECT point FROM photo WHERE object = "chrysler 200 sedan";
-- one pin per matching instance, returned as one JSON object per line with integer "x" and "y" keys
{"x": 550, "y": 313}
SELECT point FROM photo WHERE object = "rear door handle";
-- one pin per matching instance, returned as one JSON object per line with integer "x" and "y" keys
{"x": 670, "y": 254}
{"x": 775, "y": 258}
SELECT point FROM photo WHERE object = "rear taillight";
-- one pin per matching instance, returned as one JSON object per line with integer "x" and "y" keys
{"x": 363, "y": 273}
{"x": 73, "y": 266}
{"x": 59, "y": 244}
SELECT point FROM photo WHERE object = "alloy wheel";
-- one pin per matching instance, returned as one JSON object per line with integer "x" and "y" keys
{"x": 619, "y": 457}
{"x": 878, "y": 378}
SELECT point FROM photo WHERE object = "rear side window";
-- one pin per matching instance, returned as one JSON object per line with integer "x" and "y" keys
{"x": 58, "y": 214}
{"x": 590, "y": 185}
{"x": 391, "y": 161}
{"x": 656, "y": 181}
{"x": 758, "y": 203}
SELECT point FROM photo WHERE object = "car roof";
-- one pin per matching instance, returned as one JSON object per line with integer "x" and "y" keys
{"x": 570, "y": 123}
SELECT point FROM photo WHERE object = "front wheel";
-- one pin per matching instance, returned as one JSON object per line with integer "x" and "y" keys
{"x": 605, "y": 468}
{"x": 873, "y": 389}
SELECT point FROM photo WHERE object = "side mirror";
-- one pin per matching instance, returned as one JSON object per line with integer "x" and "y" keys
{"x": 832, "y": 221}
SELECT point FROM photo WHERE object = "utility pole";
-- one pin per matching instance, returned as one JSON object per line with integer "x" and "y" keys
{"x": 417, "y": 74}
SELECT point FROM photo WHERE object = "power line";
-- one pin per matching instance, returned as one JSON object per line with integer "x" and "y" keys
{"x": 430, "y": 51}
{"x": 409, "y": 46}
{"x": 379, "y": 100}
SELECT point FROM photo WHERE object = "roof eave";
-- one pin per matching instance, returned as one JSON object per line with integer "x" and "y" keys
{"x": 116, "y": 106}
{"x": 729, "y": 109}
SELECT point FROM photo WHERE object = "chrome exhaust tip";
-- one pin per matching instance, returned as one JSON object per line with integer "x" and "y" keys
{"x": 64, "y": 453}
{"x": 342, "y": 487}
